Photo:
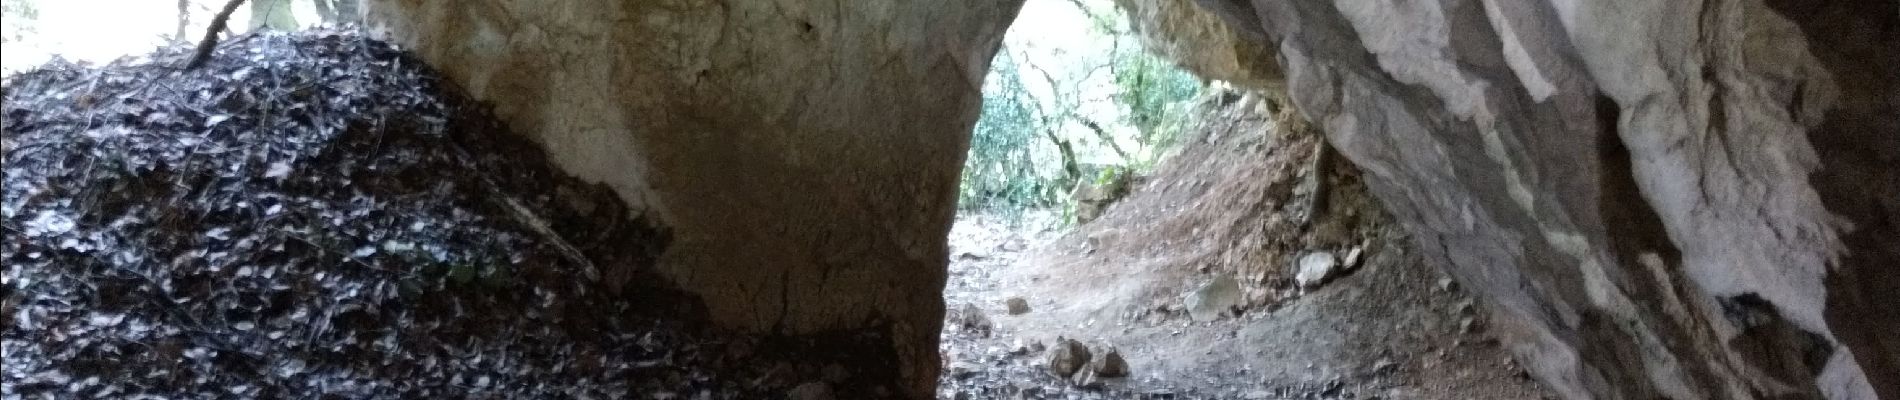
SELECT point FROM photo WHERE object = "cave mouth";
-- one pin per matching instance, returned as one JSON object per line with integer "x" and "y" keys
{"x": 1188, "y": 229}
{"x": 1126, "y": 228}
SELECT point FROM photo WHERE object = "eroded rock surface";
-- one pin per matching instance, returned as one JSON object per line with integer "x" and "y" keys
{"x": 1658, "y": 198}
{"x": 804, "y": 153}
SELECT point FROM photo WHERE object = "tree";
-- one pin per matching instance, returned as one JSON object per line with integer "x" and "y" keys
{"x": 339, "y": 11}
{"x": 1001, "y": 172}
{"x": 1154, "y": 94}
{"x": 272, "y": 14}
{"x": 20, "y": 17}
{"x": 1051, "y": 114}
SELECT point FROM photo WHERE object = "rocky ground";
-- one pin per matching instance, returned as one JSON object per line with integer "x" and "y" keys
{"x": 1221, "y": 278}
{"x": 318, "y": 216}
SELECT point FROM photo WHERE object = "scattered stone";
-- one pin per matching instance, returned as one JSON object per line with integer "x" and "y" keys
{"x": 1352, "y": 257}
{"x": 1067, "y": 357}
{"x": 1384, "y": 366}
{"x": 962, "y": 370}
{"x": 1090, "y": 381}
{"x": 1023, "y": 347}
{"x": 1446, "y": 284}
{"x": 1315, "y": 268}
{"x": 1465, "y": 307}
{"x": 972, "y": 319}
{"x": 1215, "y": 299}
{"x": 1013, "y": 244}
{"x": 811, "y": 391}
{"x": 1110, "y": 364}
{"x": 1092, "y": 197}
{"x": 1017, "y": 306}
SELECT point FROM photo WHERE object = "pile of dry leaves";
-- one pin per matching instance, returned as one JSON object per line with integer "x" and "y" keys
{"x": 318, "y": 215}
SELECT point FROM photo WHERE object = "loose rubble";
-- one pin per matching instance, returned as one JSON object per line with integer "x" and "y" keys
{"x": 1110, "y": 364}
{"x": 972, "y": 319}
{"x": 1067, "y": 358}
{"x": 1315, "y": 268}
{"x": 1017, "y": 306}
{"x": 1215, "y": 299}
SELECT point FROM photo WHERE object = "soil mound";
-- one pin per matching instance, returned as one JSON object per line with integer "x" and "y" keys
{"x": 318, "y": 214}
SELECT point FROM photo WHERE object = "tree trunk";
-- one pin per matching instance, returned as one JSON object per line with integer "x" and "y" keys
{"x": 325, "y": 13}
{"x": 272, "y": 14}
{"x": 182, "y": 35}
{"x": 1071, "y": 172}
{"x": 1106, "y": 137}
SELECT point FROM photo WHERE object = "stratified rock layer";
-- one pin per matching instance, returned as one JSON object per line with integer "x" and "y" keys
{"x": 804, "y": 153}
{"x": 1660, "y": 198}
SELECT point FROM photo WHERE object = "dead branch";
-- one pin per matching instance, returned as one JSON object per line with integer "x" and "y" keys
{"x": 540, "y": 226}
{"x": 1105, "y": 136}
{"x": 210, "y": 41}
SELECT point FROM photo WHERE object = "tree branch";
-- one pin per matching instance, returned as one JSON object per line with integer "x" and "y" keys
{"x": 210, "y": 41}
{"x": 1106, "y": 137}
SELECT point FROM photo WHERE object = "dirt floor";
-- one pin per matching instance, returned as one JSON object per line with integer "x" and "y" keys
{"x": 1237, "y": 203}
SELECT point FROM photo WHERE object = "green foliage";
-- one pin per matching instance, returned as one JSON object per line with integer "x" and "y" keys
{"x": 1109, "y": 174}
{"x": 1030, "y": 147}
{"x": 1156, "y": 94}
{"x": 17, "y": 20}
{"x": 1001, "y": 172}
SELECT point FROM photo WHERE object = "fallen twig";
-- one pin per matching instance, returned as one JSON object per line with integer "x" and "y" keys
{"x": 540, "y": 226}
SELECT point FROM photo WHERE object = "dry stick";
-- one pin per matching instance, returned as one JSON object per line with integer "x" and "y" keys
{"x": 527, "y": 217}
{"x": 540, "y": 226}
{"x": 210, "y": 41}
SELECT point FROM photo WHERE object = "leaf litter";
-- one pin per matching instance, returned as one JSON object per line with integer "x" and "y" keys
{"x": 319, "y": 215}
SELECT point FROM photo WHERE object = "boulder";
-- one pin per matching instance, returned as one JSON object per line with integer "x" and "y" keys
{"x": 1017, "y": 305}
{"x": 1215, "y": 299}
{"x": 972, "y": 319}
{"x": 1067, "y": 357}
{"x": 1315, "y": 268}
{"x": 1110, "y": 364}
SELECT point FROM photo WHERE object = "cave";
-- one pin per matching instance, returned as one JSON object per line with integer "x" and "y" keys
{"x": 1643, "y": 199}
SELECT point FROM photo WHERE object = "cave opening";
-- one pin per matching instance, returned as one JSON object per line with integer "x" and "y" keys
{"x": 1128, "y": 226}
{"x": 750, "y": 199}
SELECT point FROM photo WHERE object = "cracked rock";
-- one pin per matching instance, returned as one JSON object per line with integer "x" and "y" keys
{"x": 1110, "y": 364}
{"x": 1067, "y": 357}
{"x": 1017, "y": 306}
{"x": 1215, "y": 299}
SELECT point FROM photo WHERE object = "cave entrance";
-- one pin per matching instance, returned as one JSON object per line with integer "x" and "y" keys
{"x": 1075, "y": 111}
{"x": 1114, "y": 203}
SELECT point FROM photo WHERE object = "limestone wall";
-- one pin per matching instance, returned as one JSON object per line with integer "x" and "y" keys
{"x": 805, "y": 153}
{"x": 1659, "y": 198}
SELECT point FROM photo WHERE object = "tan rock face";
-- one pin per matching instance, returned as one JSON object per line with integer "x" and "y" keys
{"x": 1201, "y": 42}
{"x": 1659, "y": 198}
{"x": 805, "y": 153}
